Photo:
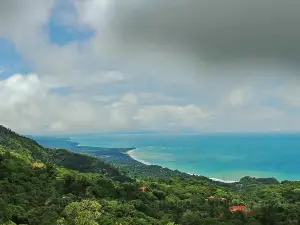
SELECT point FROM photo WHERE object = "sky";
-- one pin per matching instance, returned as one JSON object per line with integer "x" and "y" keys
{"x": 164, "y": 65}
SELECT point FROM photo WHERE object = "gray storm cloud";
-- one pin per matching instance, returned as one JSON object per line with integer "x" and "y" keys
{"x": 209, "y": 30}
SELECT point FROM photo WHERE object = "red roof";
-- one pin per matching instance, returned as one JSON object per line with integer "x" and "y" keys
{"x": 239, "y": 208}
{"x": 143, "y": 188}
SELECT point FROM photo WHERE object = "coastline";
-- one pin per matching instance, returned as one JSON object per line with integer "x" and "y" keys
{"x": 77, "y": 147}
{"x": 130, "y": 153}
{"x": 128, "y": 157}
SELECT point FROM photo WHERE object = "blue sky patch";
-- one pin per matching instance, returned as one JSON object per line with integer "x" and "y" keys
{"x": 10, "y": 60}
{"x": 62, "y": 28}
{"x": 62, "y": 35}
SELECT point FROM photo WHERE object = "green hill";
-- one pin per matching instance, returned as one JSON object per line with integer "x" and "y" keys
{"x": 13, "y": 142}
{"x": 42, "y": 186}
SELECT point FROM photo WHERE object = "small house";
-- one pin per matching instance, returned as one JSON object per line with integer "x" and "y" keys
{"x": 241, "y": 208}
{"x": 143, "y": 188}
{"x": 37, "y": 165}
{"x": 210, "y": 198}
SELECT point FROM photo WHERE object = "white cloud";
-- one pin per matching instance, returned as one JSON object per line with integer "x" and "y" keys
{"x": 169, "y": 116}
{"x": 236, "y": 97}
{"x": 111, "y": 79}
{"x": 17, "y": 89}
{"x": 259, "y": 118}
{"x": 289, "y": 93}
{"x": 240, "y": 96}
{"x": 20, "y": 19}
{"x": 27, "y": 106}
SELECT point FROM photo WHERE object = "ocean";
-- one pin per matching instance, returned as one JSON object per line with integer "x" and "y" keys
{"x": 227, "y": 157}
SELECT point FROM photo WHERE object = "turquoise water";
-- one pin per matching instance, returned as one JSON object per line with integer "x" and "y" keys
{"x": 222, "y": 156}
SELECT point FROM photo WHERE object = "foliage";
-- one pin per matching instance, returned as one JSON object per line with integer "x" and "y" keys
{"x": 81, "y": 213}
{"x": 70, "y": 188}
{"x": 120, "y": 159}
{"x": 84, "y": 163}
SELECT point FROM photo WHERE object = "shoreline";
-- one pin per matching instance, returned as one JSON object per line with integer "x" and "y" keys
{"x": 70, "y": 144}
{"x": 130, "y": 154}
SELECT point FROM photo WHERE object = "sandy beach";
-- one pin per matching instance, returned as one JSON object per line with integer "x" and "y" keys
{"x": 129, "y": 152}
{"x": 131, "y": 155}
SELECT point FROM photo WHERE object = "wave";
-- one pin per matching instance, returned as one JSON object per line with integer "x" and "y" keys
{"x": 131, "y": 154}
{"x": 216, "y": 179}
{"x": 224, "y": 181}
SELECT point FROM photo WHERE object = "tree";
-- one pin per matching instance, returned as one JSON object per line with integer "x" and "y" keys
{"x": 81, "y": 213}
{"x": 190, "y": 218}
{"x": 9, "y": 223}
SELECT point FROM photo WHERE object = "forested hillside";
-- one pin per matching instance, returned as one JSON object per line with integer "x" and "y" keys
{"x": 42, "y": 186}
{"x": 15, "y": 143}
